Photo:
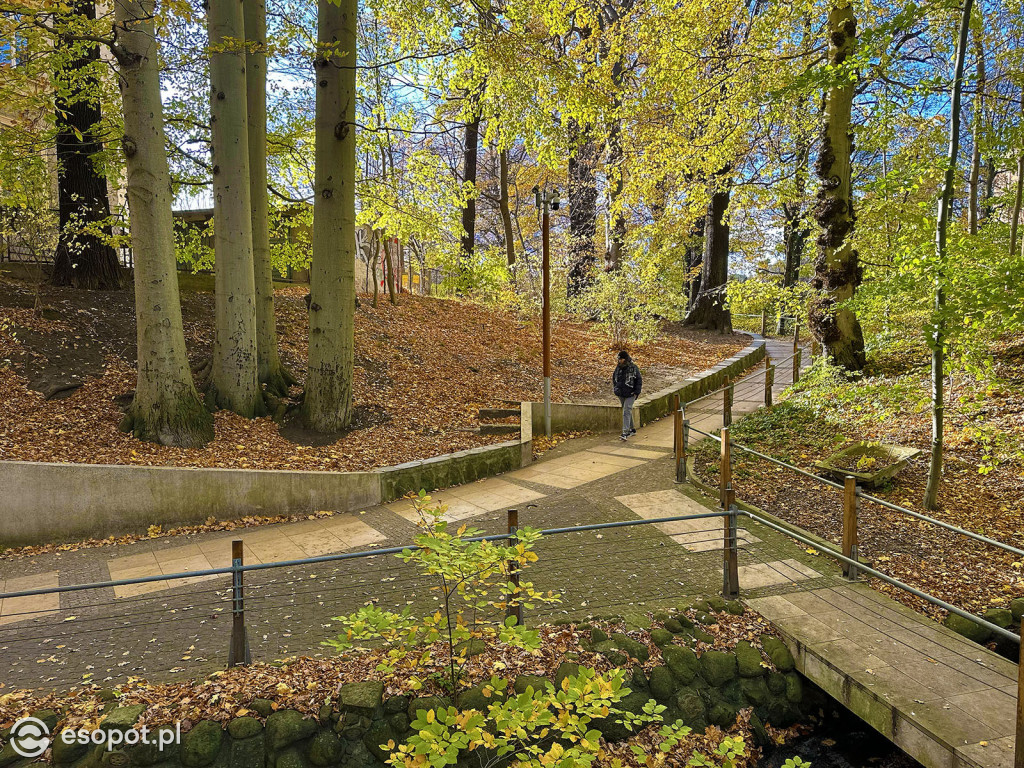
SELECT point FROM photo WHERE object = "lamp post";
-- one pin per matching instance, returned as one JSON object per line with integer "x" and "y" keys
{"x": 546, "y": 201}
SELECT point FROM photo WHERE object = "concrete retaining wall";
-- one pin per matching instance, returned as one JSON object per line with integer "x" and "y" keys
{"x": 581, "y": 417}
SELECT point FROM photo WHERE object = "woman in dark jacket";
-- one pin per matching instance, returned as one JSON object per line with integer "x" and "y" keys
{"x": 627, "y": 384}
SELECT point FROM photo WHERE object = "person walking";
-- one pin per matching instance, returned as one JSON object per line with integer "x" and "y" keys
{"x": 627, "y": 384}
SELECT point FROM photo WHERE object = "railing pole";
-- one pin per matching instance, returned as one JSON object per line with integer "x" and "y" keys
{"x": 850, "y": 526}
{"x": 730, "y": 556}
{"x": 238, "y": 653}
{"x": 796, "y": 366}
{"x": 675, "y": 432}
{"x": 679, "y": 446}
{"x": 681, "y": 466}
{"x": 725, "y": 470}
{"x": 769, "y": 383}
{"x": 764, "y": 321}
{"x": 796, "y": 336}
{"x": 515, "y": 606}
{"x": 727, "y": 393}
{"x": 1018, "y": 750}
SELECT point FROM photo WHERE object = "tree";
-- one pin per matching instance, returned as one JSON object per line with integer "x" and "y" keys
{"x": 710, "y": 310}
{"x": 84, "y": 257}
{"x": 270, "y": 371}
{"x": 166, "y": 407}
{"x": 937, "y": 341}
{"x": 582, "y": 196}
{"x": 836, "y": 271}
{"x": 234, "y": 383}
{"x": 471, "y": 145}
{"x": 327, "y": 405}
{"x": 508, "y": 235}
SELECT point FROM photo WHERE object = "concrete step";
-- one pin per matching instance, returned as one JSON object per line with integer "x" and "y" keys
{"x": 499, "y": 429}
{"x": 485, "y": 414}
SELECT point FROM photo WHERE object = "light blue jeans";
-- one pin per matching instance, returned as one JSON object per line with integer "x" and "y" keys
{"x": 627, "y": 414}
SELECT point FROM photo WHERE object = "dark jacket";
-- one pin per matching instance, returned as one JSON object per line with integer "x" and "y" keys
{"x": 626, "y": 380}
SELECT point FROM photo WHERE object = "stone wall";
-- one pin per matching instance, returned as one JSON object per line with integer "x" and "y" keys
{"x": 582, "y": 417}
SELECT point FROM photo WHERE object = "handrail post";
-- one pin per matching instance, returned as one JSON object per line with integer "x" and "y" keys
{"x": 679, "y": 445}
{"x": 675, "y": 432}
{"x": 850, "y": 526}
{"x": 514, "y": 607}
{"x": 238, "y": 652}
{"x": 725, "y": 468}
{"x": 1018, "y": 750}
{"x": 730, "y": 556}
{"x": 727, "y": 393}
{"x": 769, "y": 383}
{"x": 767, "y": 360}
{"x": 796, "y": 336}
{"x": 681, "y": 466}
{"x": 764, "y": 321}
{"x": 796, "y": 366}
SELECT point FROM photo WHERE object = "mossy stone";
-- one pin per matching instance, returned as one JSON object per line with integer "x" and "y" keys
{"x": 247, "y": 752}
{"x": 472, "y": 647}
{"x": 262, "y": 707}
{"x": 778, "y": 653}
{"x": 691, "y": 708}
{"x": 776, "y": 682}
{"x": 637, "y": 680}
{"x": 723, "y": 714}
{"x": 684, "y": 622}
{"x": 734, "y": 607}
{"x": 704, "y": 637}
{"x": 794, "y": 688}
{"x": 761, "y": 736}
{"x": 523, "y": 682}
{"x": 672, "y": 625}
{"x": 106, "y": 694}
{"x": 286, "y": 726}
{"x": 661, "y": 617}
{"x": 399, "y": 721}
{"x": 244, "y": 727}
{"x": 291, "y": 758}
{"x": 122, "y": 718}
{"x": 377, "y": 739}
{"x": 565, "y": 670}
{"x": 199, "y": 747}
{"x": 633, "y": 648}
{"x": 475, "y": 698}
{"x": 661, "y": 637}
{"x": 361, "y": 698}
{"x": 397, "y": 704}
{"x": 425, "y": 703}
{"x": 610, "y": 727}
{"x": 1017, "y": 608}
{"x": 49, "y": 717}
{"x": 598, "y": 636}
{"x": 1001, "y": 617}
{"x": 718, "y": 667}
{"x": 62, "y": 753}
{"x": 663, "y": 684}
{"x": 972, "y": 630}
{"x": 682, "y": 662}
{"x": 755, "y": 690}
{"x": 748, "y": 660}
{"x": 716, "y": 604}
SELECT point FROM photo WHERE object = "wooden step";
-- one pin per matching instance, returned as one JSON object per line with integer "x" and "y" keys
{"x": 485, "y": 414}
{"x": 499, "y": 429}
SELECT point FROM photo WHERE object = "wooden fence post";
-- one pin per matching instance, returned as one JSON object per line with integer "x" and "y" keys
{"x": 796, "y": 366}
{"x": 725, "y": 468}
{"x": 679, "y": 445}
{"x": 796, "y": 336}
{"x": 238, "y": 651}
{"x": 730, "y": 548}
{"x": 681, "y": 466}
{"x": 769, "y": 382}
{"x": 764, "y": 321}
{"x": 675, "y": 432}
{"x": 727, "y": 393}
{"x": 850, "y": 526}
{"x": 515, "y": 606}
{"x": 1018, "y": 750}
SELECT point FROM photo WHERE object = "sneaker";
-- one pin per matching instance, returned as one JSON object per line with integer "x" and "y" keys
{"x": 623, "y": 438}
{"x": 632, "y": 432}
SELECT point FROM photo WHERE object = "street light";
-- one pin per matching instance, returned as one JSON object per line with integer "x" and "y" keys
{"x": 546, "y": 201}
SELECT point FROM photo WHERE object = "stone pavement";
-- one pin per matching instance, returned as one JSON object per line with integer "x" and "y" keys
{"x": 170, "y": 627}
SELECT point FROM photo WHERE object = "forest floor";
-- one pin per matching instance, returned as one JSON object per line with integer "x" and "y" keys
{"x": 423, "y": 369}
{"x": 983, "y": 480}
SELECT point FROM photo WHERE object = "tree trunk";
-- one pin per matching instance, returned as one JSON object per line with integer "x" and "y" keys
{"x": 469, "y": 157}
{"x": 269, "y": 369}
{"x": 508, "y": 235}
{"x": 327, "y": 406}
{"x": 710, "y": 311}
{"x": 1015, "y": 213}
{"x": 84, "y": 257}
{"x": 166, "y": 408}
{"x": 616, "y": 170}
{"x": 582, "y": 194}
{"x": 389, "y": 271}
{"x": 375, "y": 265}
{"x": 694, "y": 261}
{"x": 979, "y": 119}
{"x": 836, "y": 271}
{"x": 234, "y": 383}
{"x": 938, "y": 340}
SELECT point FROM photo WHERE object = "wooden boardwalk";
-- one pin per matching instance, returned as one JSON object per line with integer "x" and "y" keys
{"x": 944, "y": 700}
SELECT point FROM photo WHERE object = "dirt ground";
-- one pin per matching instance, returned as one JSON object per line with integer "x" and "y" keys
{"x": 423, "y": 369}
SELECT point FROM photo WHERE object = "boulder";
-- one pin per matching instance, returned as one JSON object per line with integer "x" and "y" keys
{"x": 794, "y": 688}
{"x": 1001, "y": 617}
{"x": 286, "y": 726}
{"x": 674, "y": 626}
{"x": 776, "y": 682}
{"x": 661, "y": 637}
{"x": 472, "y": 647}
{"x": 633, "y": 648}
{"x": 748, "y": 660}
{"x": 691, "y": 708}
{"x": 62, "y": 753}
{"x": 252, "y": 751}
{"x": 362, "y": 698}
{"x": 425, "y": 703}
{"x": 755, "y": 690}
{"x": 718, "y": 667}
{"x": 972, "y": 630}
{"x": 262, "y": 707}
{"x": 475, "y": 698}
{"x": 598, "y": 636}
{"x": 199, "y": 747}
{"x": 734, "y": 607}
{"x": 566, "y": 669}
{"x": 523, "y": 682}
{"x": 397, "y": 704}
{"x": 663, "y": 684}
{"x": 682, "y": 662}
{"x": 1017, "y": 608}
{"x": 122, "y": 718}
{"x": 291, "y": 758}
{"x": 778, "y": 653}
{"x": 244, "y": 727}
{"x": 378, "y": 739}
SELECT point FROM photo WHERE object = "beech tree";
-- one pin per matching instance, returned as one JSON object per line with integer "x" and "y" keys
{"x": 836, "y": 271}
{"x": 166, "y": 407}
{"x": 234, "y": 382}
{"x": 327, "y": 405}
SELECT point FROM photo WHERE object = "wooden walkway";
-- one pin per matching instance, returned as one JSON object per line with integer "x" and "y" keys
{"x": 944, "y": 700}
